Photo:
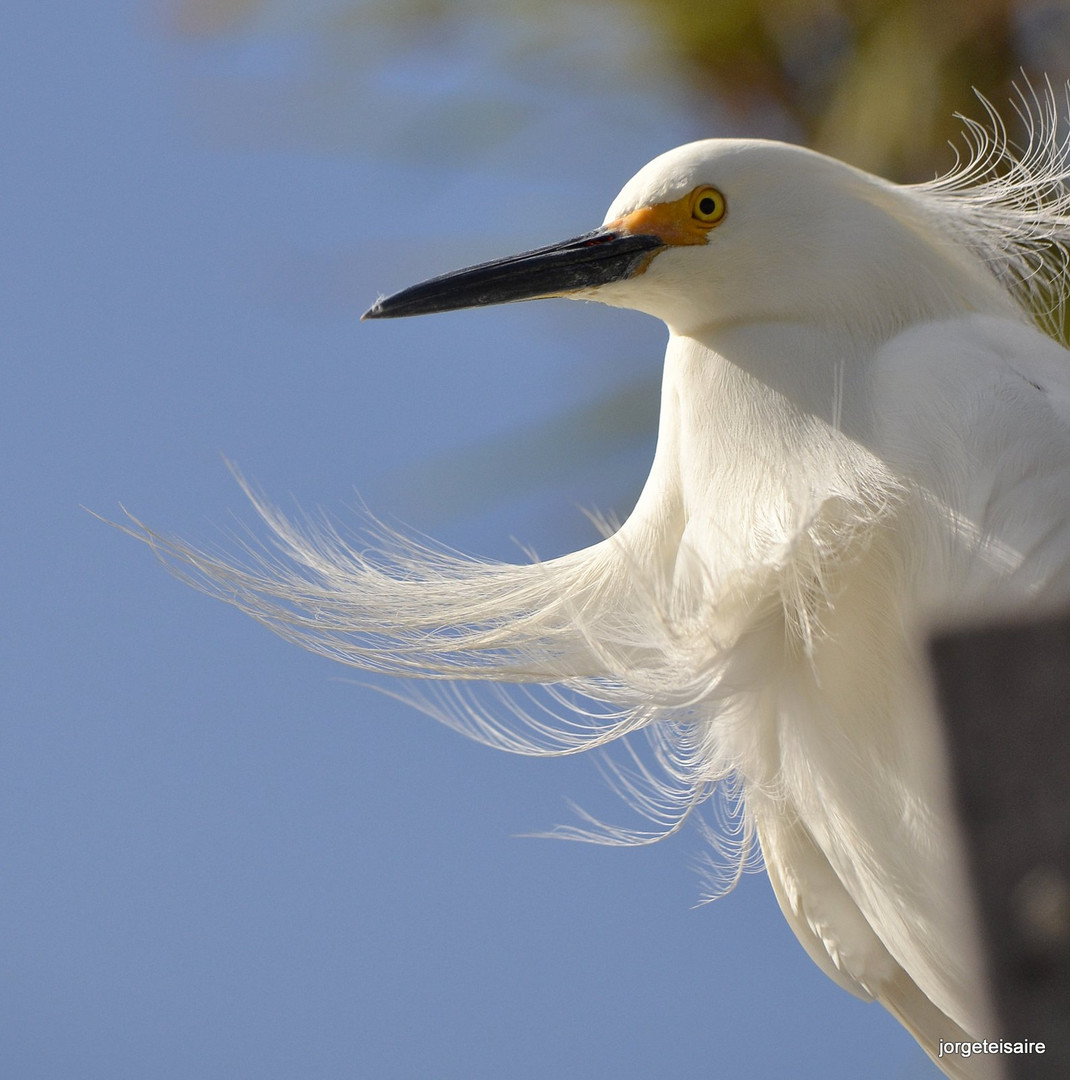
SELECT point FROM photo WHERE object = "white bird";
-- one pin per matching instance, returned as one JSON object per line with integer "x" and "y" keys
{"x": 863, "y": 431}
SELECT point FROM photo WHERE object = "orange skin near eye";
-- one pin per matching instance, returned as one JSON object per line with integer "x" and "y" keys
{"x": 673, "y": 222}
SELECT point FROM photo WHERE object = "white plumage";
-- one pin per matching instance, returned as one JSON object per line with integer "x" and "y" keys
{"x": 862, "y": 431}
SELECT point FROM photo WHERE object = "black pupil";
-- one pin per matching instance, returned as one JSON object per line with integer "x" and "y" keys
{"x": 707, "y": 205}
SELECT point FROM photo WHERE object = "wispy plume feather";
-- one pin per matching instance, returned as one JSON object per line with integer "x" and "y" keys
{"x": 1010, "y": 204}
{"x": 546, "y": 659}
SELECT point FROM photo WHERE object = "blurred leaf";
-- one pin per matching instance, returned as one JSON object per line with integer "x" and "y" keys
{"x": 875, "y": 82}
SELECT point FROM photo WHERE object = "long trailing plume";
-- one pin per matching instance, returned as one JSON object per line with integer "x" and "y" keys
{"x": 594, "y": 646}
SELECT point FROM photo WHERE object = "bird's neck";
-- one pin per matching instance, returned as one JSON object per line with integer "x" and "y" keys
{"x": 756, "y": 432}
{"x": 777, "y": 372}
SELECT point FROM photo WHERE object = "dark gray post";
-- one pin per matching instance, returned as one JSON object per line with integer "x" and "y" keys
{"x": 1005, "y": 695}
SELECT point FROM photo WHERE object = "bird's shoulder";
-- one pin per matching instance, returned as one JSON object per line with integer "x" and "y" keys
{"x": 981, "y": 364}
{"x": 973, "y": 391}
{"x": 974, "y": 414}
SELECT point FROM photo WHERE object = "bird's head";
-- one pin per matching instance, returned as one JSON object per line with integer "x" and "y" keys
{"x": 729, "y": 231}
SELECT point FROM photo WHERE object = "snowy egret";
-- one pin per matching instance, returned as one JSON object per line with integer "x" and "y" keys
{"x": 863, "y": 430}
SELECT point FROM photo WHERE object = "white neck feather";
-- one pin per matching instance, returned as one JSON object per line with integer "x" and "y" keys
{"x": 755, "y": 434}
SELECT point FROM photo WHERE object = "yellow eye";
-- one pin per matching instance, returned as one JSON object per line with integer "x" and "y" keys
{"x": 707, "y": 206}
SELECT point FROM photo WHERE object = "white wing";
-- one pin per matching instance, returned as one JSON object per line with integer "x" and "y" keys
{"x": 841, "y": 941}
{"x": 976, "y": 412}
{"x": 859, "y": 840}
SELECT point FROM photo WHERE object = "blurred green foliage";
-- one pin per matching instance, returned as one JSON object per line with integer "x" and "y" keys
{"x": 874, "y": 82}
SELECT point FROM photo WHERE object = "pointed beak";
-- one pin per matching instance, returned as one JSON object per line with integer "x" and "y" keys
{"x": 596, "y": 258}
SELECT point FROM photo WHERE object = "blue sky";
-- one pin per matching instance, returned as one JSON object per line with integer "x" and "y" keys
{"x": 221, "y": 856}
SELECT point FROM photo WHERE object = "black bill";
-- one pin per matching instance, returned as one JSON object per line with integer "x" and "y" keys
{"x": 595, "y": 258}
